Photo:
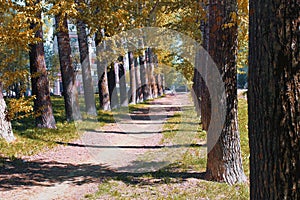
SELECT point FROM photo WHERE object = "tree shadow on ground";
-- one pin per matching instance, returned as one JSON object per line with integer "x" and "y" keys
{"x": 17, "y": 172}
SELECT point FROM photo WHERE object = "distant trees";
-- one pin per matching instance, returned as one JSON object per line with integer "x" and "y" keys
{"x": 274, "y": 99}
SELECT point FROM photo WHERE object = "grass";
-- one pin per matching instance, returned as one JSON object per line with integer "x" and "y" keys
{"x": 180, "y": 180}
{"x": 31, "y": 140}
{"x": 184, "y": 178}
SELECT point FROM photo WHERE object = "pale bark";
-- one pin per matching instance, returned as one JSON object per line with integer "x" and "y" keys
{"x": 5, "y": 125}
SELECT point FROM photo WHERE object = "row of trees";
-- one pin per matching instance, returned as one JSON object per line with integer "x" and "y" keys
{"x": 64, "y": 12}
{"x": 273, "y": 87}
{"x": 274, "y": 91}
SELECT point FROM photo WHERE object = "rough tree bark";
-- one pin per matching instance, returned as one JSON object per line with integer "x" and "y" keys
{"x": 68, "y": 74}
{"x": 122, "y": 82}
{"x": 132, "y": 91}
{"x": 5, "y": 126}
{"x": 196, "y": 92}
{"x": 89, "y": 98}
{"x": 159, "y": 85}
{"x": 40, "y": 83}
{"x": 102, "y": 76}
{"x": 224, "y": 162}
{"x": 151, "y": 79}
{"x": 113, "y": 94}
{"x": 139, "y": 93}
{"x": 274, "y": 99}
{"x": 144, "y": 77}
{"x": 204, "y": 96}
{"x": 158, "y": 77}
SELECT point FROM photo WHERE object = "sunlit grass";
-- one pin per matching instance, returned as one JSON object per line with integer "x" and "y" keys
{"x": 169, "y": 182}
{"x": 31, "y": 140}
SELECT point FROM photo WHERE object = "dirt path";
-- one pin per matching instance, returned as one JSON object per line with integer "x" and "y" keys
{"x": 73, "y": 170}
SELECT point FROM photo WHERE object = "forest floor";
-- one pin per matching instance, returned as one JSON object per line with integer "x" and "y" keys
{"x": 72, "y": 170}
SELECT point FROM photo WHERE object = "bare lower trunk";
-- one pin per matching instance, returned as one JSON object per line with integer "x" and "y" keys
{"x": 89, "y": 98}
{"x": 40, "y": 83}
{"x": 102, "y": 82}
{"x": 113, "y": 94}
{"x": 205, "y": 105}
{"x": 132, "y": 91}
{"x": 224, "y": 161}
{"x": 122, "y": 83}
{"x": 70, "y": 92}
{"x": 274, "y": 99}
{"x": 144, "y": 77}
{"x": 151, "y": 79}
{"x": 159, "y": 85}
{"x": 196, "y": 91}
{"x": 139, "y": 93}
{"x": 5, "y": 126}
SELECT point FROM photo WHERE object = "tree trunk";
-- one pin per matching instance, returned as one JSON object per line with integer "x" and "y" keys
{"x": 67, "y": 71}
{"x": 40, "y": 83}
{"x": 163, "y": 83}
{"x": 113, "y": 94}
{"x": 205, "y": 103}
{"x": 274, "y": 99}
{"x": 224, "y": 162}
{"x": 5, "y": 126}
{"x": 89, "y": 98}
{"x": 139, "y": 93}
{"x": 102, "y": 82}
{"x": 132, "y": 91}
{"x": 144, "y": 77}
{"x": 151, "y": 73}
{"x": 204, "y": 96}
{"x": 159, "y": 85}
{"x": 122, "y": 83}
{"x": 196, "y": 91}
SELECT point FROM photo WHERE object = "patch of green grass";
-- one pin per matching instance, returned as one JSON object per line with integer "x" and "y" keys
{"x": 31, "y": 140}
{"x": 243, "y": 127}
{"x": 170, "y": 127}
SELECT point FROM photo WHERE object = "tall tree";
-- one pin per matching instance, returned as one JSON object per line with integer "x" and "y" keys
{"x": 139, "y": 93}
{"x": 122, "y": 82}
{"x": 151, "y": 77}
{"x": 132, "y": 91}
{"x": 113, "y": 94}
{"x": 102, "y": 76}
{"x": 144, "y": 76}
{"x": 5, "y": 125}
{"x": 67, "y": 69}
{"x": 224, "y": 162}
{"x": 196, "y": 91}
{"x": 39, "y": 80}
{"x": 89, "y": 99}
{"x": 274, "y": 99}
